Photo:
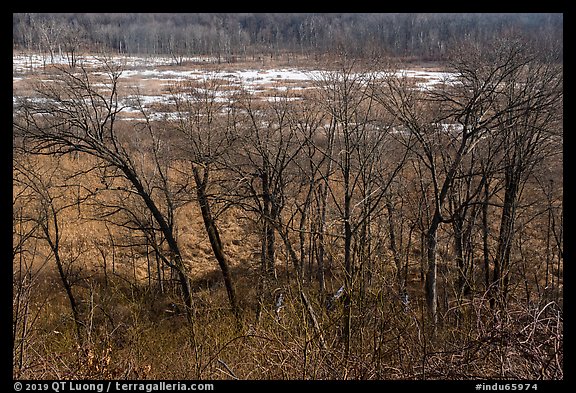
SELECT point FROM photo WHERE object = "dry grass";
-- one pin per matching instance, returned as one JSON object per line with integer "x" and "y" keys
{"x": 136, "y": 335}
{"x": 134, "y": 330}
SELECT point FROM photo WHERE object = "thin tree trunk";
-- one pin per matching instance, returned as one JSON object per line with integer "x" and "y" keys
{"x": 505, "y": 238}
{"x": 166, "y": 229}
{"x": 214, "y": 237}
{"x": 485, "y": 234}
{"x": 159, "y": 272}
{"x": 393, "y": 246}
{"x": 321, "y": 245}
{"x": 54, "y": 244}
{"x": 347, "y": 266}
{"x": 323, "y": 209}
{"x": 432, "y": 271}
{"x": 313, "y": 319}
{"x": 457, "y": 226}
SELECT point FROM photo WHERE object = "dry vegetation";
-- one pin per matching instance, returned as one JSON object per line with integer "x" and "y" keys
{"x": 311, "y": 206}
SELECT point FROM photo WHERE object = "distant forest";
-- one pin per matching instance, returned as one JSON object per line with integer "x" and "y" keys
{"x": 423, "y": 36}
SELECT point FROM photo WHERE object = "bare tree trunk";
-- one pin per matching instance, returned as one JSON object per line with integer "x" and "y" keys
{"x": 321, "y": 241}
{"x": 166, "y": 230}
{"x": 505, "y": 238}
{"x": 323, "y": 208}
{"x": 214, "y": 236}
{"x": 348, "y": 268}
{"x": 54, "y": 243}
{"x": 461, "y": 281}
{"x": 485, "y": 235}
{"x": 312, "y": 316}
{"x": 269, "y": 212}
{"x": 69, "y": 294}
{"x": 159, "y": 273}
{"x": 393, "y": 247}
{"x": 432, "y": 270}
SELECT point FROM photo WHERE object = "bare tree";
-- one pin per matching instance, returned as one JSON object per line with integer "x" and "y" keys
{"x": 448, "y": 123}
{"x": 530, "y": 127}
{"x": 206, "y": 126}
{"x": 44, "y": 190}
{"x": 76, "y": 115}
{"x": 73, "y": 38}
{"x": 51, "y": 32}
{"x": 263, "y": 169}
{"x": 26, "y": 272}
{"x": 361, "y": 181}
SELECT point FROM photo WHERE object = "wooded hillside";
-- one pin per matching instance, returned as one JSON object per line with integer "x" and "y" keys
{"x": 229, "y": 35}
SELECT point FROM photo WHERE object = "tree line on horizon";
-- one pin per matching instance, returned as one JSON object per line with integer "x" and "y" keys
{"x": 229, "y": 36}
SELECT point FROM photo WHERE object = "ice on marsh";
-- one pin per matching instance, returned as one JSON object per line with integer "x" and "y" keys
{"x": 148, "y": 68}
{"x": 427, "y": 79}
{"x": 248, "y": 76}
{"x": 268, "y": 84}
{"x": 25, "y": 62}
